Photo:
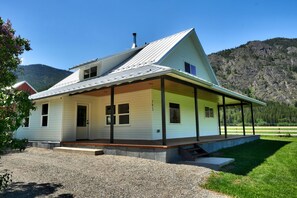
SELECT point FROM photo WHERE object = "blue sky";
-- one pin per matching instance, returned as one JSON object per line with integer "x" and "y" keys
{"x": 64, "y": 33}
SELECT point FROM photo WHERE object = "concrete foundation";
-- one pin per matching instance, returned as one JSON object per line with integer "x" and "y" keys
{"x": 170, "y": 154}
{"x": 44, "y": 144}
{"x": 211, "y": 147}
{"x": 163, "y": 155}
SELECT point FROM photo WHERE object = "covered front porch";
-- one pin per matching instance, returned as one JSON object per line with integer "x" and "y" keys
{"x": 171, "y": 143}
{"x": 153, "y": 104}
{"x": 156, "y": 151}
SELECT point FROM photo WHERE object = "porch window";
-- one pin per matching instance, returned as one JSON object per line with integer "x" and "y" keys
{"x": 191, "y": 69}
{"x": 44, "y": 115}
{"x": 209, "y": 112}
{"x": 108, "y": 113}
{"x": 174, "y": 113}
{"x": 26, "y": 122}
{"x": 91, "y": 72}
{"x": 123, "y": 111}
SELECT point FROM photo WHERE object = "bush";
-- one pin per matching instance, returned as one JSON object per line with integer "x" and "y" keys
{"x": 7, "y": 143}
{"x": 19, "y": 144}
{"x": 5, "y": 179}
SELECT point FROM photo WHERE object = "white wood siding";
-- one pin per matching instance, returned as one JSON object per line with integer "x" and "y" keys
{"x": 187, "y": 114}
{"x": 187, "y": 52}
{"x": 187, "y": 127}
{"x": 140, "y": 107}
{"x": 70, "y": 116}
{"x": 208, "y": 126}
{"x": 53, "y": 130}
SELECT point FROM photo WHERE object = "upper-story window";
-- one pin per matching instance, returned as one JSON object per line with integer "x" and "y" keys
{"x": 191, "y": 69}
{"x": 91, "y": 72}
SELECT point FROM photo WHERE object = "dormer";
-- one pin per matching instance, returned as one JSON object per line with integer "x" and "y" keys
{"x": 90, "y": 71}
{"x": 99, "y": 67}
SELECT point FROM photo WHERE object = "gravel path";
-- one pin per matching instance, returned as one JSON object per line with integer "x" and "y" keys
{"x": 44, "y": 173}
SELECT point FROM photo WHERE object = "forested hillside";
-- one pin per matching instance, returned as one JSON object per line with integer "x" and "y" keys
{"x": 266, "y": 70}
{"x": 40, "y": 76}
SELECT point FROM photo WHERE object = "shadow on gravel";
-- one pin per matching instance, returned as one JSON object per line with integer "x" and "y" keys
{"x": 21, "y": 189}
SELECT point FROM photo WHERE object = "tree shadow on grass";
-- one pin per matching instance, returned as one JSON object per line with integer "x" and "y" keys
{"x": 32, "y": 189}
{"x": 250, "y": 155}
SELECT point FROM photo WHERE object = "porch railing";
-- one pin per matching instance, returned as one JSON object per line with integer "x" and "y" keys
{"x": 262, "y": 130}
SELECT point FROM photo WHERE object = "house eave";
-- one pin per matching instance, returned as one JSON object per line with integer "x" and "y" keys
{"x": 114, "y": 83}
{"x": 211, "y": 86}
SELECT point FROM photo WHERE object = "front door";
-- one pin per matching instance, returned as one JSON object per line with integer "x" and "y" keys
{"x": 82, "y": 122}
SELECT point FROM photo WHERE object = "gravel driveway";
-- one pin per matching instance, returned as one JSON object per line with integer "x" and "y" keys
{"x": 43, "y": 173}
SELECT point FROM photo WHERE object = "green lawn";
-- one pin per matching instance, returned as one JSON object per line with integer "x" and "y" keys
{"x": 264, "y": 168}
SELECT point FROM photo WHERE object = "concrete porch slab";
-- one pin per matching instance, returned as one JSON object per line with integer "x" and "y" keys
{"x": 87, "y": 151}
{"x": 214, "y": 163}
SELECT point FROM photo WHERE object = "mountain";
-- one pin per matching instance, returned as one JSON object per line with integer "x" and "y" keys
{"x": 266, "y": 69}
{"x": 40, "y": 76}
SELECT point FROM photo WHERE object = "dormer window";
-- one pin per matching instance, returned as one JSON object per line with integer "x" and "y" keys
{"x": 91, "y": 72}
{"x": 191, "y": 69}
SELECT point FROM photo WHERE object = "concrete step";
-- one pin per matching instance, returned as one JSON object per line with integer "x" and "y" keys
{"x": 214, "y": 163}
{"x": 87, "y": 151}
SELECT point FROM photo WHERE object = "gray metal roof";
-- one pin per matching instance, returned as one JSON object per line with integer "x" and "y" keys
{"x": 141, "y": 66}
{"x": 140, "y": 73}
{"x": 153, "y": 52}
{"x": 107, "y": 57}
{"x": 105, "y": 81}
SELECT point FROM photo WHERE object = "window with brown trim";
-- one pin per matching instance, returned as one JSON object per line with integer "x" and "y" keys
{"x": 108, "y": 113}
{"x": 123, "y": 111}
{"x": 174, "y": 113}
{"x": 121, "y": 117}
{"x": 209, "y": 112}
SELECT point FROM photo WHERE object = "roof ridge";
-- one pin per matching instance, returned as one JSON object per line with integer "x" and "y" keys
{"x": 154, "y": 51}
{"x": 172, "y": 35}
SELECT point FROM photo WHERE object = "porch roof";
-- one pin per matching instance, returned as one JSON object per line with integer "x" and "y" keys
{"x": 136, "y": 74}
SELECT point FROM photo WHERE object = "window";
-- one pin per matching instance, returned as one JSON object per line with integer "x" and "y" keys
{"x": 81, "y": 116}
{"x": 123, "y": 113}
{"x": 26, "y": 122}
{"x": 44, "y": 115}
{"x": 209, "y": 112}
{"x": 91, "y": 72}
{"x": 108, "y": 112}
{"x": 174, "y": 113}
{"x": 191, "y": 69}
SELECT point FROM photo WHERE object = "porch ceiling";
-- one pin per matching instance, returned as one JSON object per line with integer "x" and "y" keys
{"x": 170, "y": 86}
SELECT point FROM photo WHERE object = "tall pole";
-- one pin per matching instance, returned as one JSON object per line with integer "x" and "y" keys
{"x": 111, "y": 114}
{"x": 242, "y": 117}
{"x": 253, "y": 122}
{"x": 163, "y": 110}
{"x": 219, "y": 120}
{"x": 224, "y": 115}
{"x": 196, "y": 114}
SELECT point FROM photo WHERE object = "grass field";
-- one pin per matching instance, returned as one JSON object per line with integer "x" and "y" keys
{"x": 264, "y": 168}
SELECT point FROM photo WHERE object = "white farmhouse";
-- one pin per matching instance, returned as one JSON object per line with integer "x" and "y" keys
{"x": 161, "y": 95}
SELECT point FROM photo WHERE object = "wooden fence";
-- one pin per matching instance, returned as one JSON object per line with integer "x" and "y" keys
{"x": 262, "y": 130}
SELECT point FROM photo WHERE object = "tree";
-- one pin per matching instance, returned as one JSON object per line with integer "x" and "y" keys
{"x": 15, "y": 105}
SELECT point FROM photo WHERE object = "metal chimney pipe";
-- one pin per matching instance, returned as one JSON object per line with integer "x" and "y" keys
{"x": 134, "y": 41}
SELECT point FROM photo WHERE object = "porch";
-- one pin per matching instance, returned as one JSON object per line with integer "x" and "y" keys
{"x": 171, "y": 143}
{"x": 153, "y": 149}
{"x": 163, "y": 108}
